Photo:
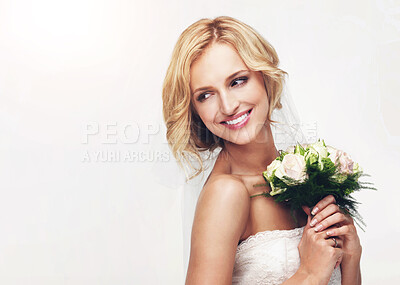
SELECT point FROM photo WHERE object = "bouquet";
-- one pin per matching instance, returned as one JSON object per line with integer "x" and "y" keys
{"x": 304, "y": 174}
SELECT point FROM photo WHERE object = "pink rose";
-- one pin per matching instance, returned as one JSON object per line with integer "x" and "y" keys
{"x": 342, "y": 160}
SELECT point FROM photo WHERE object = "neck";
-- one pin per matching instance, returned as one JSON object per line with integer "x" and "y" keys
{"x": 252, "y": 158}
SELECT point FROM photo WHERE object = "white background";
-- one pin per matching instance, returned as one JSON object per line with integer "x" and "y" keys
{"x": 70, "y": 67}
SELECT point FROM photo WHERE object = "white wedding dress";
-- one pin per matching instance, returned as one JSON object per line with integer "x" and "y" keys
{"x": 271, "y": 257}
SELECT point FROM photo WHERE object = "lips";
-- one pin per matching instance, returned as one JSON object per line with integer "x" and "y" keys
{"x": 237, "y": 115}
{"x": 238, "y": 121}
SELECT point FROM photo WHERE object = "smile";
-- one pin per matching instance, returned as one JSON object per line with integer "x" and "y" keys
{"x": 238, "y": 122}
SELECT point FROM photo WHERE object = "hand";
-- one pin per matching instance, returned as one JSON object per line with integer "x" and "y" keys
{"x": 318, "y": 254}
{"x": 338, "y": 224}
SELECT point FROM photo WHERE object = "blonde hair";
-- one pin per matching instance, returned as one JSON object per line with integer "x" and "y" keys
{"x": 186, "y": 133}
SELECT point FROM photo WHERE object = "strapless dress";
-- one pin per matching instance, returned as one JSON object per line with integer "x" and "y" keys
{"x": 271, "y": 257}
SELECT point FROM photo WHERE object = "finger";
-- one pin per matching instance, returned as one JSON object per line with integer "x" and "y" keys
{"x": 323, "y": 203}
{"x": 306, "y": 210}
{"x": 337, "y": 244}
{"x": 329, "y": 221}
{"x": 324, "y": 213}
{"x": 341, "y": 231}
{"x": 348, "y": 218}
{"x": 339, "y": 261}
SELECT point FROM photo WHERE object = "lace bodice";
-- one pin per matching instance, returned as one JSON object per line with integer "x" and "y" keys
{"x": 271, "y": 257}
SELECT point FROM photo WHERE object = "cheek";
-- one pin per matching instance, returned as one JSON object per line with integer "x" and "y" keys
{"x": 207, "y": 114}
{"x": 208, "y": 121}
{"x": 262, "y": 102}
{"x": 260, "y": 97}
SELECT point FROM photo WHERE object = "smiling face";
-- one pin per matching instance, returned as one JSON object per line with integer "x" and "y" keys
{"x": 230, "y": 99}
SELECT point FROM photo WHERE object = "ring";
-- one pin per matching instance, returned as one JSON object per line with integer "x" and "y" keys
{"x": 336, "y": 244}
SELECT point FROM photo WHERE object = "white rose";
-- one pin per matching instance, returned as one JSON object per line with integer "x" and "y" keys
{"x": 315, "y": 152}
{"x": 269, "y": 173}
{"x": 271, "y": 169}
{"x": 333, "y": 153}
{"x": 319, "y": 148}
{"x": 293, "y": 166}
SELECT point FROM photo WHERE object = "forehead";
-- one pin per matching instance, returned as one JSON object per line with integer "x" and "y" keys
{"x": 215, "y": 65}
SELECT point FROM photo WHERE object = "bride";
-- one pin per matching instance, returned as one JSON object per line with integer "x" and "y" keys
{"x": 221, "y": 87}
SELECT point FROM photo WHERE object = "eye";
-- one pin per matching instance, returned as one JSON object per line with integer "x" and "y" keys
{"x": 203, "y": 96}
{"x": 239, "y": 81}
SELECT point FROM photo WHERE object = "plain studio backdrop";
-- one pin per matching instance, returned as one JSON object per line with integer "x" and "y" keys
{"x": 81, "y": 128}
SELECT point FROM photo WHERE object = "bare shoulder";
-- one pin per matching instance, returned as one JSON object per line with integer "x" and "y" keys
{"x": 224, "y": 186}
{"x": 223, "y": 197}
{"x": 220, "y": 219}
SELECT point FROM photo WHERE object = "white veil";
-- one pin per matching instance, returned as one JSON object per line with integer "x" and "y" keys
{"x": 286, "y": 133}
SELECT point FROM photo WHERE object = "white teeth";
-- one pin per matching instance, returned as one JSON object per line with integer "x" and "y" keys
{"x": 237, "y": 120}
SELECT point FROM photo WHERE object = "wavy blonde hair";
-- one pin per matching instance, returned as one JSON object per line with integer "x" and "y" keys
{"x": 186, "y": 133}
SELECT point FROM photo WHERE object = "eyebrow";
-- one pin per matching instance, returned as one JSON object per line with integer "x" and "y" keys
{"x": 227, "y": 79}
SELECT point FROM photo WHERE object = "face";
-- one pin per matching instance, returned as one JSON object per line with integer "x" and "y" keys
{"x": 230, "y": 99}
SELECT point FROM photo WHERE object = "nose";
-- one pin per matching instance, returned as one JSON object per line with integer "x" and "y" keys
{"x": 229, "y": 104}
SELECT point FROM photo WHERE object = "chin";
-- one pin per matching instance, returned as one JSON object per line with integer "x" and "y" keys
{"x": 242, "y": 140}
{"x": 246, "y": 135}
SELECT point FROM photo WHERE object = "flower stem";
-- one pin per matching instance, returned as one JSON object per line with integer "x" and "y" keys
{"x": 266, "y": 194}
{"x": 260, "y": 184}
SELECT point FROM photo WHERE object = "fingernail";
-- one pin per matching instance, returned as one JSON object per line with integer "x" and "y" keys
{"x": 314, "y": 211}
{"x": 313, "y": 222}
{"x": 328, "y": 233}
{"x": 318, "y": 228}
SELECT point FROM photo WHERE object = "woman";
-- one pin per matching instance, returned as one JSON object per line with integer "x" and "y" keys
{"x": 221, "y": 87}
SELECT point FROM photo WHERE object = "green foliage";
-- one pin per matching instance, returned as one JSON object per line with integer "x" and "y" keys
{"x": 320, "y": 183}
{"x": 323, "y": 178}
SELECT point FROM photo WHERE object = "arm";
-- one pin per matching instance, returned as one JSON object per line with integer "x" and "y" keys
{"x": 301, "y": 278}
{"x": 220, "y": 219}
{"x": 350, "y": 267}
